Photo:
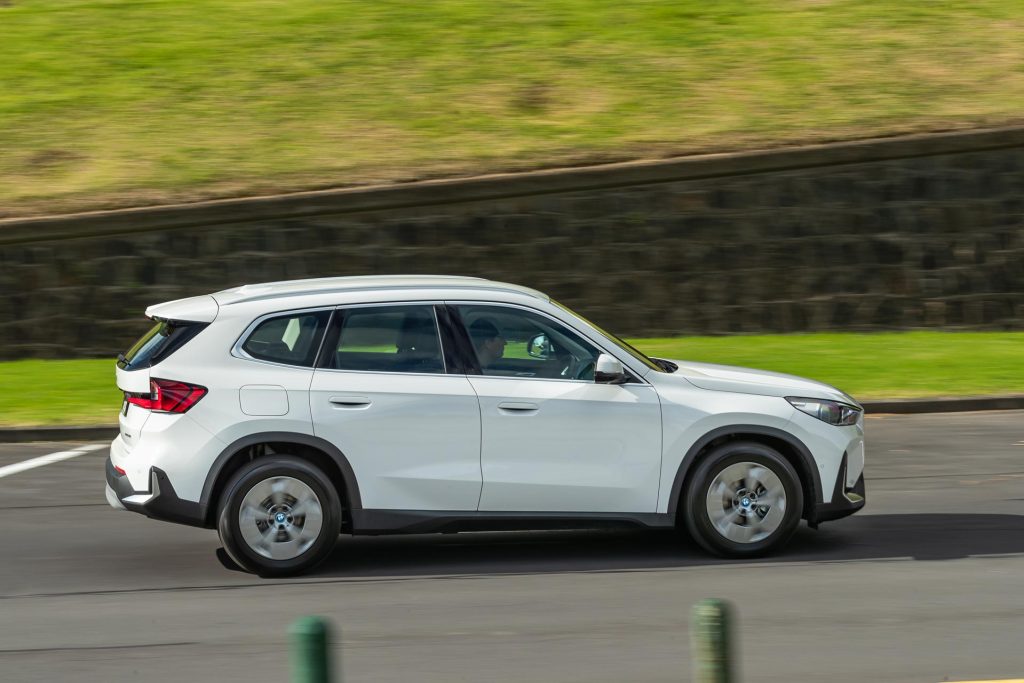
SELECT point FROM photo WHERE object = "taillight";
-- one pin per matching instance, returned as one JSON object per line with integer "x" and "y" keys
{"x": 167, "y": 396}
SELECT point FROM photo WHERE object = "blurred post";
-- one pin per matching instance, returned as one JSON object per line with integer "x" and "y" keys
{"x": 712, "y": 642}
{"x": 310, "y": 656}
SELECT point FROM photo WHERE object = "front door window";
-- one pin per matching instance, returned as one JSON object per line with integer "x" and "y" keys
{"x": 511, "y": 342}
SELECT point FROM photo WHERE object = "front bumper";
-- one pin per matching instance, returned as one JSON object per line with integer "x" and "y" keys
{"x": 159, "y": 502}
{"x": 845, "y": 500}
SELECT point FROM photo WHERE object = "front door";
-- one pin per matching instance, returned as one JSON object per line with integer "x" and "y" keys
{"x": 553, "y": 440}
{"x": 410, "y": 431}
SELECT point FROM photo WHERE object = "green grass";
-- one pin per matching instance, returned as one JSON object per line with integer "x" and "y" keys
{"x": 106, "y": 103}
{"x": 891, "y": 365}
{"x": 866, "y": 366}
{"x": 47, "y": 392}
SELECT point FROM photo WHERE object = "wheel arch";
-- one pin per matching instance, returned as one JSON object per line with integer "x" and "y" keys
{"x": 790, "y": 447}
{"x": 317, "y": 451}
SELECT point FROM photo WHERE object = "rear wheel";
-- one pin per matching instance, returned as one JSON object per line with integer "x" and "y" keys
{"x": 279, "y": 515}
{"x": 744, "y": 500}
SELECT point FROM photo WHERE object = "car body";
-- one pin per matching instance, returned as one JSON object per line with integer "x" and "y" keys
{"x": 383, "y": 398}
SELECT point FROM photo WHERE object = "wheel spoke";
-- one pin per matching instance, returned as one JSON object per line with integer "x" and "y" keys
{"x": 251, "y": 513}
{"x": 251, "y": 533}
{"x": 312, "y": 524}
{"x": 773, "y": 494}
{"x": 753, "y": 478}
{"x": 306, "y": 507}
{"x": 308, "y": 534}
{"x": 771, "y": 521}
{"x": 725, "y": 490}
{"x": 723, "y": 518}
{"x": 740, "y": 534}
{"x": 283, "y": 550}
{"x": 278, "y": 491}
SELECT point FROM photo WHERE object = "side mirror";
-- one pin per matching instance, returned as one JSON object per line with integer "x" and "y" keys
{"x": 539, "y": 347}
{"x": 609, "y": 370}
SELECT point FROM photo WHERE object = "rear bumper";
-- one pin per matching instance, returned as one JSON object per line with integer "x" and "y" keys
{"x": 845, "y": 500}
{"x": 159, "y": 502}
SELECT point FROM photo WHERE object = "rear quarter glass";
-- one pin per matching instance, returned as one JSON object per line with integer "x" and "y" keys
{"x": 163, "y": 339}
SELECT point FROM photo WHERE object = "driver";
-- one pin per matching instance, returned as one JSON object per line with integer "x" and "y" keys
{"x": 487, "y": 340}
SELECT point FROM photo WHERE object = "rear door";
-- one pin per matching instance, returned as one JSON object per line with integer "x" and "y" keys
{"x": 381, "y": 394}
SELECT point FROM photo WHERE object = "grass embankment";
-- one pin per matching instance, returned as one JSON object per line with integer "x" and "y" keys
{"x": 896, "y": 365}
{"x": 106, "y": 103}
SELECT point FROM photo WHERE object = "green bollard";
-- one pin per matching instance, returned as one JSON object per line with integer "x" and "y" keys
{"x": 310, "y": 655}
{"x": 712, "y": 642}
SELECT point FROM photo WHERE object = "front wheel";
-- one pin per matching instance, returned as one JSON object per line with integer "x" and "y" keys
{"x": 744, "y": 500}
{"x": 279, "y": 515}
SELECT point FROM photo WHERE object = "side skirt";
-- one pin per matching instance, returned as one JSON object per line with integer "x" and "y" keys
{"x": 379, "y": 522}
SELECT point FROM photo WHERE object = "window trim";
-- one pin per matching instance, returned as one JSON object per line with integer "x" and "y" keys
{"x": 635, "y": 378}
{"x": 455, "y": 339}
{"x": 333, "y": 332}
{"x": 238, "y": 352}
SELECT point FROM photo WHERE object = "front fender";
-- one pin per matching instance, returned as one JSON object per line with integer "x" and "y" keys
{"x": 692, "y": 418}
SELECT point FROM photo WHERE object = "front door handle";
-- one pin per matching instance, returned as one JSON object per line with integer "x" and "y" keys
{"x": 350, "y": 401}
{"x": 518, "y": 407}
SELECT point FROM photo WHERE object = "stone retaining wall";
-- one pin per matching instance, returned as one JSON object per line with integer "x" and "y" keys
{"x": 843, "y": 240}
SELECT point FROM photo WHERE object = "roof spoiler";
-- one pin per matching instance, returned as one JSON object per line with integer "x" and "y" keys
{"x": 196, "y": 309}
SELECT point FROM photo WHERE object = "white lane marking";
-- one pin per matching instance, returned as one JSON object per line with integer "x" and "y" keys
{"x": 48, "y": 459}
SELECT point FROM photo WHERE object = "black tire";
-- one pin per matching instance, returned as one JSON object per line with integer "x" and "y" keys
{"x": 263, "y": 472}
{"x": 698, "y": 519}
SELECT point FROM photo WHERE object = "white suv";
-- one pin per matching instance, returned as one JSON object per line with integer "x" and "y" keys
{"x": 286, "y": 413}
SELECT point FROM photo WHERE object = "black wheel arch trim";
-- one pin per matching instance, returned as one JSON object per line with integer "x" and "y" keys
{"x": 347, "y": 473}
{"x": 845, "y": 500}
{"x": 804, "y": 453}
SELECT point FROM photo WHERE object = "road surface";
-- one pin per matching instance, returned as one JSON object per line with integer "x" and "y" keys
{"x": 926, "y": 584}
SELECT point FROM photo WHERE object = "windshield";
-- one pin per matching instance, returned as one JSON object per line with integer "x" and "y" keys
{"x": 626, "y": 346}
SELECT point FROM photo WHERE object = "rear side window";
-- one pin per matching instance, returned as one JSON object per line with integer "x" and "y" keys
{"x": 388, "y": 339}
{"x": 292, "y": 339}
{"x": 163, "y": 339}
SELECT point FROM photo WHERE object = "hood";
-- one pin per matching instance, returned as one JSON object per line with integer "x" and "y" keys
{"x": 762, "y": 382}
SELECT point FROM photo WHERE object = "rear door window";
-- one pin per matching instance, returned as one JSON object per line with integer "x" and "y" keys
{"x": 388, "y": 339}
{"x": 291, "y": 338}
{"x": 163, "y": 339}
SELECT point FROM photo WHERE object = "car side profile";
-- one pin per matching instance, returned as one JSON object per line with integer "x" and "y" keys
{"x": 284, "y": 414}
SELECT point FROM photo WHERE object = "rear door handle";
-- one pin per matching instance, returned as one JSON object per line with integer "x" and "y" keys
{"x": 350, "y": 401}
{"x": 518, "y": 407}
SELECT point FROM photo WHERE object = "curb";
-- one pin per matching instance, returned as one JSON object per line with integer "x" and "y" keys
{"x": 890, "y": 407}
{"x": 944, "y": 405}
{"x": 26, "y": 434}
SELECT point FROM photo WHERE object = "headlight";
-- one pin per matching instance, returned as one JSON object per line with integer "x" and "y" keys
{"x": 833, "y": 412}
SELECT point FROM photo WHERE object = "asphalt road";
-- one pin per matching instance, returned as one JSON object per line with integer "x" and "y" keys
{"x": 926, "y": 584}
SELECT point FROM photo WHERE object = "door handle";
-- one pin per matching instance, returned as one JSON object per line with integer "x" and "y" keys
{"x": 518, "y": 407}
{"x": 350, "y": 401}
